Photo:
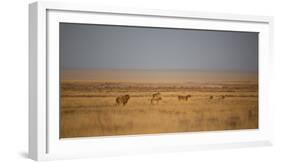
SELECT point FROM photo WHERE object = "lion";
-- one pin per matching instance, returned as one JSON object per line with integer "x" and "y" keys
{"x": 122, "y": 100}
{"x": 184, "y": 98}
{"x": 156, "y": 97}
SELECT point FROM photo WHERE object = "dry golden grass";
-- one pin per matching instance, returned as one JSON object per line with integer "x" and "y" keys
{"x": 88, "y": 108}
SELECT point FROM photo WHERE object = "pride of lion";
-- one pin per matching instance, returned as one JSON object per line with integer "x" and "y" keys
{"x": 156, "y": 97}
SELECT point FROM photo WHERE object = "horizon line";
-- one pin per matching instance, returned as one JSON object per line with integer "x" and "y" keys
{"x": 138, "y": 69}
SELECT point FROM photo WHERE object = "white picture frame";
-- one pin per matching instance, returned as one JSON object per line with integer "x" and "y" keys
{"x": 44, "y": 141}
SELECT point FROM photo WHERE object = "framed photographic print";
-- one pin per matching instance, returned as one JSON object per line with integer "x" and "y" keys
{"x": 110, "y": 81}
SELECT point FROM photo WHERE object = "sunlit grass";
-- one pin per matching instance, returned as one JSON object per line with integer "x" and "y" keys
{"x": 89, "y": 108}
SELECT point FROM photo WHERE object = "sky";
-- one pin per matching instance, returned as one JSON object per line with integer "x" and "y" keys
{"x": 89, "y": 46}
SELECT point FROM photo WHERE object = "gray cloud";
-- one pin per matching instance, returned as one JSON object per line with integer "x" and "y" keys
{"x": 122, "y": 47}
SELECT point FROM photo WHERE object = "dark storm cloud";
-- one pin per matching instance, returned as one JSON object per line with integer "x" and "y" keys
{"x": 119, "y": 47}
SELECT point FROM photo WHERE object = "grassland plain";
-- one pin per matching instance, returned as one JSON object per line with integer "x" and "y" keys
{"x": 88, "y": 107}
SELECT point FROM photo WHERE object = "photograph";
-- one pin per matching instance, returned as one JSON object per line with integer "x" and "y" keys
{"x": 118, "y": 80}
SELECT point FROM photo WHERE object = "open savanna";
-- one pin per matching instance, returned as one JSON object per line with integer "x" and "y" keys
{"x": 88, "y": 107}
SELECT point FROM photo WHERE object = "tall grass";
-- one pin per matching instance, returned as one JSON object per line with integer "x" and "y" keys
{"x": 89, "y": 109}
